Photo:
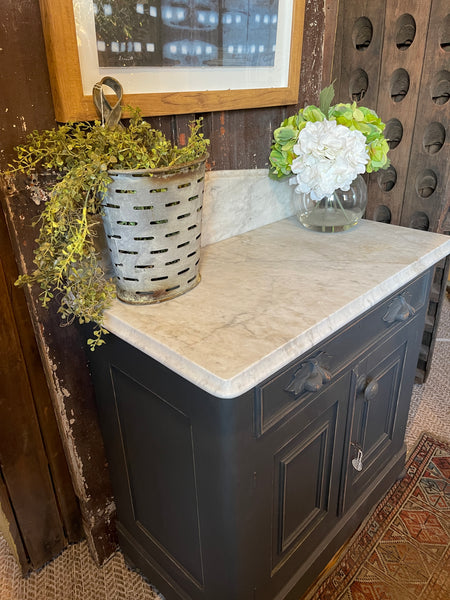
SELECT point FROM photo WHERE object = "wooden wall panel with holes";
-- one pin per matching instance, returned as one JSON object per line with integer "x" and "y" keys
{"x": 394, "y": 57}
{"x": 406, "y": 24}
{"x": 427, "y": 187}
{"x": 359, "y": 44}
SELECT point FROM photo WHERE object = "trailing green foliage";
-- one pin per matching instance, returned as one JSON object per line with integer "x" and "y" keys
{"x": 81, "y": 154}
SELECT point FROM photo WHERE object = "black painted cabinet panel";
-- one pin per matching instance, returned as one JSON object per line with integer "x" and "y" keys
{"x": 250, "y": 497}
{"x": 157, "y": 447}
{"x": 380, "y": 413}
{"x": 306, "y": 475}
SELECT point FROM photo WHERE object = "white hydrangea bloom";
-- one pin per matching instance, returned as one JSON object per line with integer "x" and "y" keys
{"x": 329, "y": 157}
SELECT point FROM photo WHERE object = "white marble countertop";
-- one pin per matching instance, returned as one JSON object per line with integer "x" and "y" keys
{"x": 269, "y": 295}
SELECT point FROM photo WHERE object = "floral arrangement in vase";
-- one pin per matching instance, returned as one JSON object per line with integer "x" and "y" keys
{"x": 325, "y": 150}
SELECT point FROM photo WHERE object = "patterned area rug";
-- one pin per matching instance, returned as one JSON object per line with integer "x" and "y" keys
{"x": 402, "y": 551}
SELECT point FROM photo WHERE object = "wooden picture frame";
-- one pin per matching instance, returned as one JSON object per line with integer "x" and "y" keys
{"x": 73, "y": 103}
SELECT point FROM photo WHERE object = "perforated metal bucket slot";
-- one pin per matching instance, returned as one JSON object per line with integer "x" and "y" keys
{"x": 152, "y": 220}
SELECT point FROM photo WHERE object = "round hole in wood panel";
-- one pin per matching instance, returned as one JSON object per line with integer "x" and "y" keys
{"x": 445, "y": 34}
{"x": 387, "y": 178}
{"x": 359, "y": 82}
{"x": 399, "y": 85}
{"x": 393, "y": 133}
{"x": 362, "y": 33}
{"x": 420, "y": 220}
{"x": 382, "y": 214}
{"x": 426, "y": 182}
{"x": 440, "y": 87}
{"x": 406, "y": 32}
{"x": 434, "y": 137}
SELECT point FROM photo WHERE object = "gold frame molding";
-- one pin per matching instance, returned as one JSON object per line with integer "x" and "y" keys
{"x": 71, "y": 104}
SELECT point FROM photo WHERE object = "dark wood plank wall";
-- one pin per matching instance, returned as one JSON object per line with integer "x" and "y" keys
{"x": 34, "y": 470}
{"x": 22, "y": 455}
{"x": 239, "y": 140}
{"x": 34, "y": 477}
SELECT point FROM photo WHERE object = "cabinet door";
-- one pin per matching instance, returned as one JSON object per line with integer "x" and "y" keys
{"x": 307, "y": 467}
{"x": 381, "y": 402}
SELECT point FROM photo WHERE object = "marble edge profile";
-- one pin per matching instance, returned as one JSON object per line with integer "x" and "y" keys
{"x": 256, "y": 373}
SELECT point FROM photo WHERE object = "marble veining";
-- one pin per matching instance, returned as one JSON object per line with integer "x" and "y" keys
{"x": 238, "y": 201}
{"x": 271, "y": 294}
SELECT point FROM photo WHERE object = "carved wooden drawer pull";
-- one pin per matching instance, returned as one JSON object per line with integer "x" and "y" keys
{"x": 371, "y": 390}
{"x": 399, "y": 310}
{"x": 310, "y": 377}
{"x": 368, "y": 387}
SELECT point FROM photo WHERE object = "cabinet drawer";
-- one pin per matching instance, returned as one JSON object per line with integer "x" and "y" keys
{"x": 295, "y": 386}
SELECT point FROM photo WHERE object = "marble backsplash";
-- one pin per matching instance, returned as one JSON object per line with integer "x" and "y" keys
{"x": 242, "y": 200}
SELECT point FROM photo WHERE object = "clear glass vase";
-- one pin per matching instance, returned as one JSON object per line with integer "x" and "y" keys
{"x": 337, "y": 212}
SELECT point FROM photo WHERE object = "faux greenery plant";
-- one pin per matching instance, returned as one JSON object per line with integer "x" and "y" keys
{"x": 81, "y": 154}
{"x": 355, "y": 118}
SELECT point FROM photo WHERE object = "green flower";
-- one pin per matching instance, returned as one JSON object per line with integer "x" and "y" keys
{"x": 377, "y": 150}
{"x": 285, "y": 135}
{"x": 352, "y": 116}
{"x": 313, "y": 114}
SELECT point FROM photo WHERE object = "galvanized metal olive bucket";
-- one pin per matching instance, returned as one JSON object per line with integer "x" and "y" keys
{"x": 152, "y": 220}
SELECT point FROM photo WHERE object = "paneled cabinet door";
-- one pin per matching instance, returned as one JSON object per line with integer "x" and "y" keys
{"x": 380, "y": 411}
{"x": 306, "y": 478}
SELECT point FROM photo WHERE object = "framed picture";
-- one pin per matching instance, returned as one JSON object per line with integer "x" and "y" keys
{"x": 173, "y": 57}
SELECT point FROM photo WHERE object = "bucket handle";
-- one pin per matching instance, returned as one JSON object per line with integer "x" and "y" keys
{"x": 110, "y": 115}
